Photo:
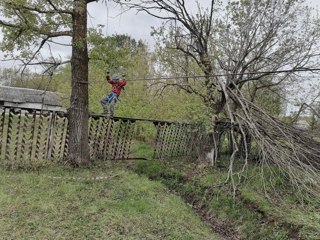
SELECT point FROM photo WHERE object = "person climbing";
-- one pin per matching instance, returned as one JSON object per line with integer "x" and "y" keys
{"x": 110, "y": 100}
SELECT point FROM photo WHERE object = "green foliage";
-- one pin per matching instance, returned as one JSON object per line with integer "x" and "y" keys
{"x": 30, "y": 26}
{"x": 36, "y": 82}
{"x": 29, "y": 79}
{"x": 120, "y": 53}
{"x": 114, "y": 52}
{"x": 157, "y": 171}
{"x": 139, "y": 101}
{"x": 142, "y": 150}
{"x": 9, "y": 76}
{"x": 268, "y": 98}
{"x": 123, "y": 54}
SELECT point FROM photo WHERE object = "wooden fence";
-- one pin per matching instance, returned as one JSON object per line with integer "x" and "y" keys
{"x": 31, "y": 134}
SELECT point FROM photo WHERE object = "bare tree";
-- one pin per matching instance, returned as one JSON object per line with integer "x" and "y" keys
{"x": 261, "y": 43}
{"x": 30, "y": 26}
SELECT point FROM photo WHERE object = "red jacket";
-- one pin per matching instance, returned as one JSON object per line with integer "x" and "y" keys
{"x": 117, "y": 86}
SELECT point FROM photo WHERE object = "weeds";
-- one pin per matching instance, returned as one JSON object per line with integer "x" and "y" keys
{"x": 250, "y": 211}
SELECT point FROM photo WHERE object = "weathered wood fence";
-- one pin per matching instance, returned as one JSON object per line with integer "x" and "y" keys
{"x": 31, "y": 134}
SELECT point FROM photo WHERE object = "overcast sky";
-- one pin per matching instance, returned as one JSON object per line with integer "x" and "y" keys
{"x": 136, "y": 25}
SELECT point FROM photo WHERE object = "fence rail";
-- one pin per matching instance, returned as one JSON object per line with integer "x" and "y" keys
{"x": 31, "y": 134}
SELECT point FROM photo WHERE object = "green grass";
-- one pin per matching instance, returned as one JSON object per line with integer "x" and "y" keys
{"x": 131, "y": 206}
{"x": 142, "y": 150}
{"x": 126, "y": 206}
{"x": 255, "y": 216}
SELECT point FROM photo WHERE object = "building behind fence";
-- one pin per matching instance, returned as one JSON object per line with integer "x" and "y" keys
{"x": 29, "y": 98}
{"x": 33, "y": 134}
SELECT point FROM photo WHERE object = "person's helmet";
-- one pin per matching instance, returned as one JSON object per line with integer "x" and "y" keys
{"x": 116, "y": 77}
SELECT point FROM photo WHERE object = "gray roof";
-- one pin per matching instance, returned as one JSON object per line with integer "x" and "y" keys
{"x": 26, "y": 95}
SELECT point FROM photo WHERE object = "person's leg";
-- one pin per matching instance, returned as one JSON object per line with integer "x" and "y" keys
{"x": 104, "y": 103}
{"x": 112, "y": 105}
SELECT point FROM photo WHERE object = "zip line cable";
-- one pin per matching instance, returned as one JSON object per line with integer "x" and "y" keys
{"x": 177, "y": 77}
{"x": 217, "y": 75}
{"x": 225, "y": 74}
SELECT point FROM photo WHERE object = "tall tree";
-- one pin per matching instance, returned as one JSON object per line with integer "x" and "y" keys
{"x": 79, "y": 102}
{"x": 31, "y": 25}
{"x": 247, "y": 41}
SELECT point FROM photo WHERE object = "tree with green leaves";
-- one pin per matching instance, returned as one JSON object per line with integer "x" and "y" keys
{"x": 245, "y": 44}
{"x": 31, "y": 25}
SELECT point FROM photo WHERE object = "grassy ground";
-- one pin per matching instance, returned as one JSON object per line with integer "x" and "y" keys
{"x": 126, "y": 206}
{"x": 250, "y": 212}
{"x": 150, "y": 200}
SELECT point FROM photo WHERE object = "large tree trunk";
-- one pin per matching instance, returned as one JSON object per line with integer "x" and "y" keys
{"x": 78, "y": 112}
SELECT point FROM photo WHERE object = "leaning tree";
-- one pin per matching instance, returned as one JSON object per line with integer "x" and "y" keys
{"x": 241, "y": 48}
{"x": 31, "y": 29}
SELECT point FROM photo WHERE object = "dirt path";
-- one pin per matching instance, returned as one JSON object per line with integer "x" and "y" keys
{"x": 223, "y": 230}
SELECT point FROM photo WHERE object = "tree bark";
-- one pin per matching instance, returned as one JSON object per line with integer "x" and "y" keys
{"x": 78, "y": 113}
